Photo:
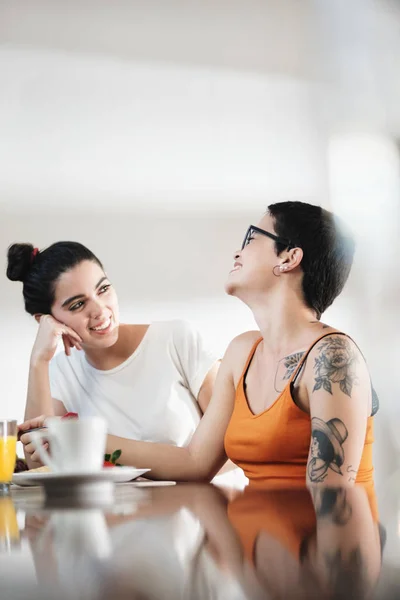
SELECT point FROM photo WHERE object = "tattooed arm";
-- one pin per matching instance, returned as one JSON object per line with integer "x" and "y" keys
{"x": 339, "y": 392}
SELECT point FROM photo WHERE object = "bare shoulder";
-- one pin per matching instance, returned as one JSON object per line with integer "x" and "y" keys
{"x": 238, "y": 352}
{"x": 336, "y": 361}
{"x": 244, "y": 341}
{"x": 338, "y": 340}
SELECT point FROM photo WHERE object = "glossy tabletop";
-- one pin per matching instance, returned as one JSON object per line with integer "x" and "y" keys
{"x": 199, "y": 541}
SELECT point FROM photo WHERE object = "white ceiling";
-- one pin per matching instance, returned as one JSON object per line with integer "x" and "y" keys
{"x": 185, "y": 105}
{"x": 261, "y": 35}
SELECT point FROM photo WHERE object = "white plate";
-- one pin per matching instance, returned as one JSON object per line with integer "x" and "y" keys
{"x": 111, "y": 474}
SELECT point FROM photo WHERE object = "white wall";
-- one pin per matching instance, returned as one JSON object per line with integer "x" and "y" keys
{"x": 159, "y": 136}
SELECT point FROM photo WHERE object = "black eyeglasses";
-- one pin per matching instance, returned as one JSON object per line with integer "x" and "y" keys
{"x": 253, "y": 229}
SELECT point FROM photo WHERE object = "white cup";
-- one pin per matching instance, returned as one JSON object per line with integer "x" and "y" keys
{"x": 77, "y": 445}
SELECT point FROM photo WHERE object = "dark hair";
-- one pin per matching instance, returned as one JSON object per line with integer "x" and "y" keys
{"x": 328, "y": 249}
{"x": 325, "y": 446}
{"x": 39, "y": 271}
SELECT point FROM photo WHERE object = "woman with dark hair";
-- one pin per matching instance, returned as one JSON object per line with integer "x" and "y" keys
{"x": 150, "y": 382}
{"x": 291, "y": 377}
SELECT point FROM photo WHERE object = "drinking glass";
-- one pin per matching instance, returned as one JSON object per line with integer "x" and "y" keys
{"x": 8, "y": 453}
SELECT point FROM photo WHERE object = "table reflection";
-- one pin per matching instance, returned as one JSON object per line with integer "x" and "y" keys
{"x": 201, "y": 541}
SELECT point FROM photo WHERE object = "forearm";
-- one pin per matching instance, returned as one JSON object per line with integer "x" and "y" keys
{"x": 39, "y": 400}
{"x": 165, "y": 461}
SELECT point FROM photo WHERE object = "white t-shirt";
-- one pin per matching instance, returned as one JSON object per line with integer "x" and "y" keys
{"x": 152, "y": 396}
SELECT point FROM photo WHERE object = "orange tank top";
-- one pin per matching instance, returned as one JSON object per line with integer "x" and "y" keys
{"x": 272, "y": 447}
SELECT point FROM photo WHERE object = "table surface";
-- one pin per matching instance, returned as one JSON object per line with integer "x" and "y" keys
{"x": 201, "y": 541}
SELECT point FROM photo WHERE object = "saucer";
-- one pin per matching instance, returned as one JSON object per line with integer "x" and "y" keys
{"x": 87, "y": 487}
{"x": 112, "y": 474}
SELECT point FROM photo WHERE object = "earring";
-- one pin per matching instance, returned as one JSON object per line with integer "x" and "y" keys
{"x": 279, "y": 267}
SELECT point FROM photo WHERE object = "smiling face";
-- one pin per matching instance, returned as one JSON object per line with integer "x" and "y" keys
{"x": 253, "y": 267}
{"x": 86, "y": 301}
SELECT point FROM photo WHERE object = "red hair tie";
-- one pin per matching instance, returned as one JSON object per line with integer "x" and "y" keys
{"x": 33, "y": 255}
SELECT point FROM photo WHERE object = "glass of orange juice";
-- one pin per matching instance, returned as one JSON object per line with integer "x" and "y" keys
{"x": 8, "y": 454}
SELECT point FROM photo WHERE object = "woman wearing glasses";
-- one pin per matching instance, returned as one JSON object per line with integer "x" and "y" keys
{"x": 293, "y": 401}
{"x": 150, "y": 382}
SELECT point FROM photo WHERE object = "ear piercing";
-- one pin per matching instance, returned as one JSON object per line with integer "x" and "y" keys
{"x": 278, "y": 269}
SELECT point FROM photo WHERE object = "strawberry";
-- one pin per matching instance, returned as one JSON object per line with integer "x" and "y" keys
{"x": 70, "y": 415}
{"x": 110, "y": 460}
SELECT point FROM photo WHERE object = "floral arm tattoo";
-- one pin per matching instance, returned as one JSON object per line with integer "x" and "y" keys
{"x": 336, "y": 364}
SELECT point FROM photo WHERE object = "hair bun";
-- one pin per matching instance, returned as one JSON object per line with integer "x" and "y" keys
{"x": 19, "y": 261}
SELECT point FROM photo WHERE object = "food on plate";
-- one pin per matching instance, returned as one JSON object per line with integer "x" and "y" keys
{"x": 110, "y": 460}
{"x": 44, "y": 469}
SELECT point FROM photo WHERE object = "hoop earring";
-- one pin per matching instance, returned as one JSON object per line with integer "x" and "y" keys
{"x": 279, "y": 270}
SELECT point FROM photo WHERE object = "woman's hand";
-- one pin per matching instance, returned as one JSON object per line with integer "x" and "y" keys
{"x": 30, "y": 451}
{"x": 49, "y": 333}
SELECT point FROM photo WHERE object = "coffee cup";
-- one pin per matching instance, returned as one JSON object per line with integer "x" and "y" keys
{"x": 77, "y": 445}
